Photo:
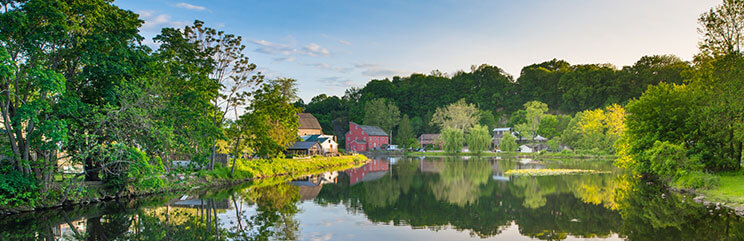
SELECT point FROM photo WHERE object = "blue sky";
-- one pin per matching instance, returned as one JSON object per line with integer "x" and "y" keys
{"x": 329, "y": 46}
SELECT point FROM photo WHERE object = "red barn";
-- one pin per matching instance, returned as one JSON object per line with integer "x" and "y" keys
{"x": 361, "y": 138}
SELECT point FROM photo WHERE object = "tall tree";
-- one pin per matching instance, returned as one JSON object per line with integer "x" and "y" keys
{"x": 382, "y": 113}
{"x": 233, "y": 73}
{"x": 405, "y": 130}
{"x": 459, "y": 116}
{"x": 452, "y": 140}
{"x": 723, "y": 28}
{"x": 535, "y": 112}
{"x": 271, "y": 118}
{"x": 478, "y": 139}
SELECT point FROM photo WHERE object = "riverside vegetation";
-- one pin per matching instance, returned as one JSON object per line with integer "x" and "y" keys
{"x": 79, "y": 88}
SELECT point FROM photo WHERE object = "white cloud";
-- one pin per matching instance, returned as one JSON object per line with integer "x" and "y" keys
{"x": 155, "y": 21}
{"x": 329, "y": 67}
{"x": 267, "y": 47}
{"x": 191, "y": 6}
{"x": 285, "y": 59}
{"x": 344, "y": 42}
{"x": 274, "y": 48}
{"x": 314, "y": 49}
{"x": 377, "y": 71}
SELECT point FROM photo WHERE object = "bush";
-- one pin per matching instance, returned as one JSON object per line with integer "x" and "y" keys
{"x": 17, "y": 189}
{"x": 697, "y": 179}
{"x": 669, "y": 160}
{"x": 132, "y": 166}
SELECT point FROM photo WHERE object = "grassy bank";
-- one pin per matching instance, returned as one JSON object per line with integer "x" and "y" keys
{"x": 179, "y": 180}
{"x": 730, "y": 189}
{"x": 261, "y": 168}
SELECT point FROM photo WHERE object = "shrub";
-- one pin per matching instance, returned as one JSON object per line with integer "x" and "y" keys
{"x": 697, "y": 179}
{"x": 17, "y": 189}
{"x": 129, "y": 165}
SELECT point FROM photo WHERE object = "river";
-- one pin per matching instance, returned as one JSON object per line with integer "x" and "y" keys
{"x": 437, "y": 198}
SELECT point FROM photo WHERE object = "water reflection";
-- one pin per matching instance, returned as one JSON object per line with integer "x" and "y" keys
{"x": 442, "y": 198}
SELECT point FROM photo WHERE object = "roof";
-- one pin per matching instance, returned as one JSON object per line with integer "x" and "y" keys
{"x": 502, "y": 129}
{"x": 302, "y": 145}
{"x": 317, "y": 138}
{"x": 429, "y": 136}
{"x": 308, "y": 121}
{"x": 373, "y": 130}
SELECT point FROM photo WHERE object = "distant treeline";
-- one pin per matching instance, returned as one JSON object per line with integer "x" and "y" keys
{"x": 565, "y": 88}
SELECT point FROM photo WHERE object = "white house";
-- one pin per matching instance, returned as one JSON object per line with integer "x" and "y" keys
{"x": 327, "y": 143}
{"x": 525, "y": 149}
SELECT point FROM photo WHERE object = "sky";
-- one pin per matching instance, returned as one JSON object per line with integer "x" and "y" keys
{"x": 329, "y": 46}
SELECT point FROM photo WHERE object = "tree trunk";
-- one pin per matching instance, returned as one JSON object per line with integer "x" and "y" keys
{"x": 214, "y": 150}
{"x": 235, "y": 154}
{"x": 91, "y": 172}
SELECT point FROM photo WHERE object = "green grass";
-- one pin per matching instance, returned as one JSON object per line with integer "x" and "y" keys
{"x": 259, "y": 168}
{"x": 729, "y": 190}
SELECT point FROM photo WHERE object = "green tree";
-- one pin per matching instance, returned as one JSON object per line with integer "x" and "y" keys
{"x": 478, "y": 139}
{"x": 723, "y": 29}
{"x": 508, "y": 143}
{"x": 487, "y": 119}
{"x": 272, "y": 119}
{"x": 535, "y": 113}
{"x": 452, "y": 140}
{"x": 459, "y": 116}
{"x": 382, "y": 113}
{"x": 405, "y": 131}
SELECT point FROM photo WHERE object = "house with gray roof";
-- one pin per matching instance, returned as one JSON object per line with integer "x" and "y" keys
{"x": 362, "y": 138}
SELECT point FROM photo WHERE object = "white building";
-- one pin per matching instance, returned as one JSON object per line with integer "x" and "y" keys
{"x": 327, "y": 143}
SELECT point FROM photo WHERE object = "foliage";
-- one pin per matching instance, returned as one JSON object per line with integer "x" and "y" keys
{"x": 382, "y": 113}
{"x": 723, "y": 28}
{"x": 535, "y": 112}
{"x": 478, "y": 139}
{"x": 459, "y": 116}
{"x": 256, "y": 168}
{"x": 272, "y": 119}
{"x": 452, "y": 140}
{"x": 508, "y": 143}
{"x": 405, "y": 131}
{"x": 131, "y": 166}
{"x": 17, "y": 189}
{"x": 596, "y": 129}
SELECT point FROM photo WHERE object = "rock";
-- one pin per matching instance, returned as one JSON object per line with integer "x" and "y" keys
{"x": 699, "y": 199}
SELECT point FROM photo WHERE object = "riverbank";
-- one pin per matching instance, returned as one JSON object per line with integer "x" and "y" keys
{"x": 245, "y": 170}
{"x": 557, "y": 155}
{"x": 729, "y": 192}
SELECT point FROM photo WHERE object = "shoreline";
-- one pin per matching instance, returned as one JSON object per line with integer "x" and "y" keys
{"x": 193, "y": 183}
{"x": 557, "y": 155}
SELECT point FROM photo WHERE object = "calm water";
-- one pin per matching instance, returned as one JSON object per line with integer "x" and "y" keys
{"x": 402, "y": 199}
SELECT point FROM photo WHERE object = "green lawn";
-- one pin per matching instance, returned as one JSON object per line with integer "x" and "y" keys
{"x": 730, "y": 190}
